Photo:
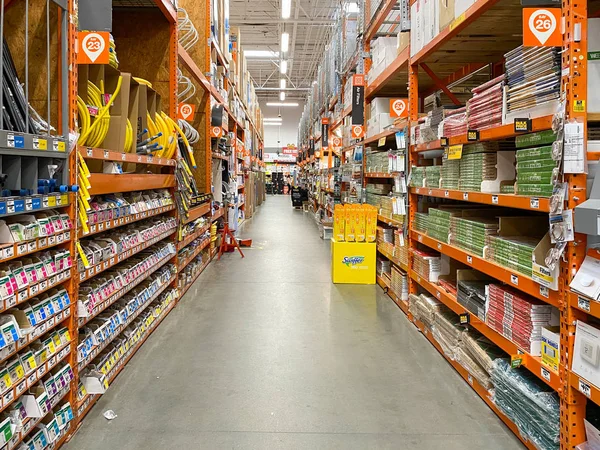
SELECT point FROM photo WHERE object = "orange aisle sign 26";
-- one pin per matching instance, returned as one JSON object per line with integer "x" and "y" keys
{"x": 541, "y": 27}
{"x": 398, "y": 107}
{"x": 93, "y": 47}
{"x": 186, "y": 111}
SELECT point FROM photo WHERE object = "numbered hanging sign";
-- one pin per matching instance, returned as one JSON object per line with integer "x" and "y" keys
{"x": 541, "y": 27}
{"x": 337, "y": 142}
{"x": 216, "y": 132}
{"x": 93, "y": 47}
{"x": 398, "y": 107}
{"x": 358, "y": 131}
{"x": 186, "y": 111}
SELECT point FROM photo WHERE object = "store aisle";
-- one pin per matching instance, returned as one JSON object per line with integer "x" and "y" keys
{"x": 266, "y": 353}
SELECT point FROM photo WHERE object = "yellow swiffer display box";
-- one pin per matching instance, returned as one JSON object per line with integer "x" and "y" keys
{"x": 353, "y": 262}
{"x": 339, "y": 222}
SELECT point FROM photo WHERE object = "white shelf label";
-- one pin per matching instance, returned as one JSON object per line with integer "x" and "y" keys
{"x": 534, "y": 203}
{"x": 585, "y": 389}
{"x": 583, "y": 303}
{"x": 495, "y": 199}
{"x": 546, "y": 374}
{"x": 514, "y": 279}
{"x": 465, "y": 196}
{"x": 469, "y": 259}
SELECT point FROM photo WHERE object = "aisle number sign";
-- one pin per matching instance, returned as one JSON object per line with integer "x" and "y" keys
{"x": 398, "y": 107}
{"x": 186, "y": 111}
{"x": 541, "y": 27}
{"x": 358, "y": 131}
{"x": 337, "y": 142}
{"x": 93, "y": 47}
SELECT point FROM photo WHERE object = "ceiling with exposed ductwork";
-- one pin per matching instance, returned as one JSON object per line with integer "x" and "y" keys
{"x": 309, "y": 27}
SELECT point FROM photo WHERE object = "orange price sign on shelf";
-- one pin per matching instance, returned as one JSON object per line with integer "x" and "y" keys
{"x": 398, "y": 107}
{"x": 358, "y": 131}
{"x": 541, "y": 27}
{"x": 186, "y": 111}
{"x": 93, "y": 47}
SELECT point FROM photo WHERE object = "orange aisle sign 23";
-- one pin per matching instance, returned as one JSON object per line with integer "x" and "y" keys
{"x": 186, "y": 111}
{"x": 93, "y": 47}
{"x": 541, "y": 27}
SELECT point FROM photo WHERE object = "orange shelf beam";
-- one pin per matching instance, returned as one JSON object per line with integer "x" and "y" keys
{"x": 385, "y": 134}
{"x": 107, "y": 183}
{"x": 532, "y": 363}
{"x": 167, "y": 9}
{"x": 385, "y": 77}
{"x": 189, "y": 238}
{"x": 489, "y": 134}
{"x": 197, "y": 211}
{"x": 507, "y": 200}
{"x": 512, "y": 278}
{"x": 585, "y": 387}
{"x": 392, "y": 259}
{"x": 390, "y": 222}
{"x": 453, "y": 29}
{"x": 379, "y": 175}
{"x": 108, "y": 155}
{"x": 379, "y": 18}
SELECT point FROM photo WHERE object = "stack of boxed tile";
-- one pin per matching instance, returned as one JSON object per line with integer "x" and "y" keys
{"x": 450, "y": 173}
{"x": 389, "y": 207}
{"x": 424, "y": 308}
{"x": 399, "y": 283}
{"x": 471, "y": 294}
{"x": 428, "y": 264}
{"x": 417, "y": 176}
{"x": 420, "y": 223}
{"x": 513, "y": 252}
{"x": 383, "y": 52}
{"x": 379, "y": 116}
{"x": 400, "y": 247}
{"x": 447, "y": 331}
{"x": 528, "y": 402}
{"x": 378, "y": 162}
{"x": 432, "y": 176}
{"x": 455, "y": 122}
{"x": 535, "y": 171}
{"x": 438, "y": 223}
{"x": 472, "y": 233}
{"x": 518, "y": 317}
{"x": 533, "y": 79}
{"x": 385, "y": 239}
{"x": 383, "y": 266}
{"x": 477, "y": 354}
{"x": 478, "y": 164}
{"x": 484, "y": 110}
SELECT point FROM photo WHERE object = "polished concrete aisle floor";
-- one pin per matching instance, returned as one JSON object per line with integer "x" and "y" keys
{"x": 266, "y": 353}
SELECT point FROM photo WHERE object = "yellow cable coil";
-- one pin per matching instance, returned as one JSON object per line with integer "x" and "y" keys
{"x": 93, "y": 134}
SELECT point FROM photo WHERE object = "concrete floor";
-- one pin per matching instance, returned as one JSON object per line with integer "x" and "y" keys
{"x": 266, "y": 353}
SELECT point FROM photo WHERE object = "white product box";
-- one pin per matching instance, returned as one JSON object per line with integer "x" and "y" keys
{"x": 460, "y": 6}
{"x": 586, "y": 354}
{"x": 380, "y": 105}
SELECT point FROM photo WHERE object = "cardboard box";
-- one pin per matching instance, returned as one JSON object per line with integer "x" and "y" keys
{"x": 551, "y": 347}
{"x": 446, "y": 13}
{"x": 353, "y": 263}
{"x": 586, "y": 353}
{"x": 403, "y": 41}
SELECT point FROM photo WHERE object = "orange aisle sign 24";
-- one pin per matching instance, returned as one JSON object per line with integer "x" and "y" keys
{"x": 93, "y": 47}
{"x": 398, "y": 107}
{"x": 186, "y": 111}
{"x": 358, "y": 131}
{"x": 541, "y": 27}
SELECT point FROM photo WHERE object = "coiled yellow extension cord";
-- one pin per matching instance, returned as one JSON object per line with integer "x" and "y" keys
{"x": 93, "y": 134}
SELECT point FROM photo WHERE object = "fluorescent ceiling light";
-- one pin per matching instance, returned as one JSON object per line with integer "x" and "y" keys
{"x": 281, "y": 104}
{"x": 272, "y": 119}
{"x": 286, "y": 9}
{"x": 282, "y": 95}
{"x": 285, "y": 42}
{"x": 283, "y": 66}
{"x": 260, "y": 54}
{"x": 351, "y": 7}
{"x": 282, "y": 83}
{"x": 273, "y": 124}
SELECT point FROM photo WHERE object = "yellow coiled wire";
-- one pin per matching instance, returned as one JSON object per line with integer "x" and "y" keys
{"x": 93, "y": 134}
{"x": 129, "y": 141}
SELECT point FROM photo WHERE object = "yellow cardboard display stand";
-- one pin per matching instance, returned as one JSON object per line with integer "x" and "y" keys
{"x": 353, "y": 262}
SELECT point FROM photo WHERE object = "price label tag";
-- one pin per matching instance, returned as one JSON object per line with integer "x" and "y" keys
{"x": 21, "y": 248}
{"x": 470, "y": 378}
{"x": 585, "y": 389}
{"x": 469, "y": 259}
{"x": 465, "y": 319}
{"x": 381, "y": 141}
{"x": 495, "y": 199}
{"x": 90, "y": 152}
{"x": 439, "y": 246}
{"x": 545, "y": 374}
{"x": 465, "y": 196}
{"x": 583, "y": 303}
{"x": 514, "y": 279}
{"x": 420, "y": 238}
{"x": 534, "y": 203}
{"x": 123, "y": 156}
